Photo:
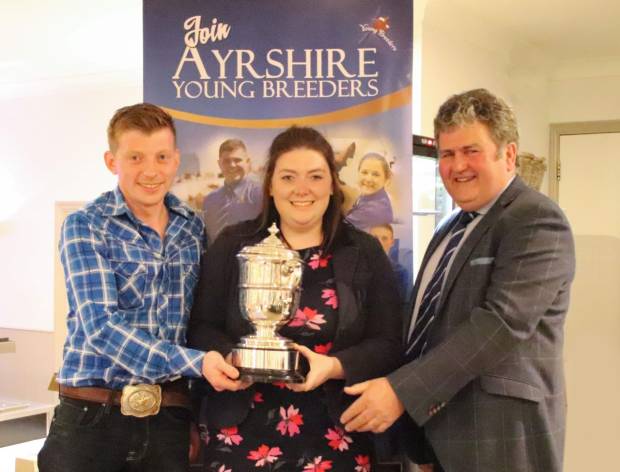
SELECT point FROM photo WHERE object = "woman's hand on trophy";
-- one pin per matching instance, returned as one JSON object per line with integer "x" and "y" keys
{"x": 221, "y": 374}
{"x": 322, "y": 368}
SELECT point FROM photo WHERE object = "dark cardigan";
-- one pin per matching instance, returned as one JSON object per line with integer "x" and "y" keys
{"x": 368, "y": 336}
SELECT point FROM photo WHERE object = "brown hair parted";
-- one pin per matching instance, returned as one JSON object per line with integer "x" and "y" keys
{"x": 230, "y": 145}
{"x": 143, "y": 117}
{"x": 297, "y": 137}
{"x": 479, "y": 105}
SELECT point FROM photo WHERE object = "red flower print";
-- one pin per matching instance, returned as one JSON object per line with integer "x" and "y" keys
{"x": 332, "y": 298}
{"x": 363, "y": 463}
{"x": 257, "y": 398}
{"x": 264, "y": 454}
{"x": 230, "y": 436}
{"x": 279, "y": 384}
{"x": 318, "y": 465}
{"x": 307, "y": 317}
{"x": 316, "y": 261}
{"x": 337, "y": 439}
{"x": 323, "y": 348}
{"x": 291, "y": 420}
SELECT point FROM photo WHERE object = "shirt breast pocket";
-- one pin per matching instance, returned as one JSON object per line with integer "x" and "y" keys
{"x": 130, "y": 283}
{"x": 190, "y": 265}
{"x": 190, "y": 278}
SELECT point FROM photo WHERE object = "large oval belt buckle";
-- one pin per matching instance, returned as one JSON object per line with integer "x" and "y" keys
{"x": 140, "y": 400}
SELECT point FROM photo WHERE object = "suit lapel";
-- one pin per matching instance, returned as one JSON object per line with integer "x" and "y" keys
{"x": 462, "y": 256}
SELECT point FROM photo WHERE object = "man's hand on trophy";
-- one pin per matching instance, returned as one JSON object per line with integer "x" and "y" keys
{"x": 322, "y": 368}
{"x": 220, "y": 373}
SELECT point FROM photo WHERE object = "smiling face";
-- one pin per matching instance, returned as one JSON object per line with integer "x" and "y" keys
{"x": 301, "y": 186}
{"x": 145, "y": 165}
{"x": 234, "y": 164}
{"x": 473, "y": 169}
{"x": 371, "y": 176}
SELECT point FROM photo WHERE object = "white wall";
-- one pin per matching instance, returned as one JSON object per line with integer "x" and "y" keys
{"x": 452, "y": 64}
{"x": 52, "y": 150}
{"x": 586, "y": 90}
{"x": 462, "y": 52}
{"x": 78, "y": 63}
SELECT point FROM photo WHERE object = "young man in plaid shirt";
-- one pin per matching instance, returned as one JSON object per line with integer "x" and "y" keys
{"x": 131, "y": 259}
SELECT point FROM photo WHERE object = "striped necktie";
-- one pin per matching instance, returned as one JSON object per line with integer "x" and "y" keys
{"x": 428, "y": 306}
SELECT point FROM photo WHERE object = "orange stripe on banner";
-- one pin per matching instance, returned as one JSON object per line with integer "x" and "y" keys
{"x": 378, "y": 105}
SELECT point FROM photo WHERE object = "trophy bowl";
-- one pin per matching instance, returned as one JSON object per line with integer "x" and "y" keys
{"x": 269, "y": 290}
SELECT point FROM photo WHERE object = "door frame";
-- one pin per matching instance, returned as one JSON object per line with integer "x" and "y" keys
{"x": 556, "y": 131}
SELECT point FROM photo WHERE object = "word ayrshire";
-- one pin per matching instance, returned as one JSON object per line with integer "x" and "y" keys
{"x": 204, "y": 70}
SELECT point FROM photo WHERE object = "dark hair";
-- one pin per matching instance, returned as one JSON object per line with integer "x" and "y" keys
{"x": 143, "y": 117}
{"x": 230, "y": 145}
{"x": 297, "y": 137}
{"x": 479, "y": 105}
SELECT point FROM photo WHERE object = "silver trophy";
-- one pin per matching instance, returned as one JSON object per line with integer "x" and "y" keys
{"x": 269, "y": 290}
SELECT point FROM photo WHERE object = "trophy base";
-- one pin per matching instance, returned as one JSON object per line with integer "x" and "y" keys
{"x": 267, "y": 365}
{"x": 270, "y": 376}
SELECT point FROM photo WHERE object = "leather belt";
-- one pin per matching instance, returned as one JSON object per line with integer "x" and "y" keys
{"x": 135, "y": 400}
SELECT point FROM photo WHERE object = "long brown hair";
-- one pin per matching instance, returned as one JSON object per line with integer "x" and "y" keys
{"x": 297, "y": 137}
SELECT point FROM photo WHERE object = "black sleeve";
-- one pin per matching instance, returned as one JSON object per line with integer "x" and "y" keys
{"x": 207, "y": 323}
{"x": 380, "y": 349}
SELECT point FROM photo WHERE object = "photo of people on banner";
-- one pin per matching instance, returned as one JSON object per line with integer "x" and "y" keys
{"x": 223, "y": 186}
{"x": 235, "y": 77}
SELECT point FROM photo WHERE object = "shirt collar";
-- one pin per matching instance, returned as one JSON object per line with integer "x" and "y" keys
{"x": 116, "y": 205}
{"x": 484, "y": 210}
{"x": 237, "y": 187}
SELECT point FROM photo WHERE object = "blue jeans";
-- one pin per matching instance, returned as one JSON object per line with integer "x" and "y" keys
{"x": 91, "y": 437}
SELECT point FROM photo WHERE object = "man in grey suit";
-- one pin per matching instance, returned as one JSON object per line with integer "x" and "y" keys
{"x": 483, "y": 385}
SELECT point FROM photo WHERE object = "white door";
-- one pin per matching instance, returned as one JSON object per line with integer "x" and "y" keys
{"x": 588, "y": 193}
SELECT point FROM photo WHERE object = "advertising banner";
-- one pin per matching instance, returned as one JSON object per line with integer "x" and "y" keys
{"x": 235, "y": 73}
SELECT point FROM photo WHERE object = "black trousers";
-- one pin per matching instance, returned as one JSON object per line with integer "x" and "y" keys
{"x": 91, "y": 437}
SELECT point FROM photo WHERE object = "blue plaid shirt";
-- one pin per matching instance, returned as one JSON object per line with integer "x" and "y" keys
{"x": 129, "y": 294}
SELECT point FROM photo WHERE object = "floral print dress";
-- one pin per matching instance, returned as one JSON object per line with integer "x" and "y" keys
{"x": 289, "y": 431}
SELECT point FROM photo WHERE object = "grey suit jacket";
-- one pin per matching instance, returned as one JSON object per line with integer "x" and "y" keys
{"x": 489, "y": 390}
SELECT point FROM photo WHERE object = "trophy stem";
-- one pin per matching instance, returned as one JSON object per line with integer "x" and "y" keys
{"x": 267, "y": 331}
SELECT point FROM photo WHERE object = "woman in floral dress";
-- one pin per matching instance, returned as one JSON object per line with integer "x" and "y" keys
{"x": 347, "y": 325}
